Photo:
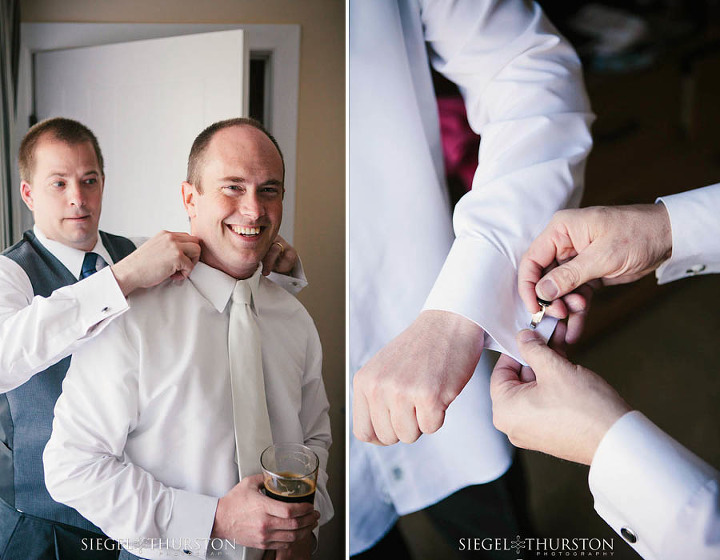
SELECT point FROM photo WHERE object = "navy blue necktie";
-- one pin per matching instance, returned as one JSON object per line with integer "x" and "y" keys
{"x": 89, "y": 265}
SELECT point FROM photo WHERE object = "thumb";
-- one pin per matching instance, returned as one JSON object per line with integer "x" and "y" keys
{"x": 589, "y": 264}
{"x": 543, "y": 360}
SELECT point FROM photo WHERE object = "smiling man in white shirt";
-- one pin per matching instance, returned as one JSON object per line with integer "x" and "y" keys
{"x": 155, "y": 430}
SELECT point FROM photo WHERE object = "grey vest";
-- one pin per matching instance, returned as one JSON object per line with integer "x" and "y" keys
{"x": 26, "y": 413}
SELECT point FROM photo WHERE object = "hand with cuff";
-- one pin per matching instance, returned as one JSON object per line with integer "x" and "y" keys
{"x": 252, "y": 519}
{"x": 281, "y": 257}
{"x": 405, "y": 389}
{"x": 615, "y": 245}
{"x": 563, "y": 409}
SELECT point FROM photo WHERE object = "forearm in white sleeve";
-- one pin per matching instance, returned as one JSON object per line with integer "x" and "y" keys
{"x": 316, "y": 422}
{"x": 524, "y": 94}
{"x": 36, "y": 332}
{"x": 661, "y": 498}
{"x": 695, "y": 234}
{"x": 87, "y": 469}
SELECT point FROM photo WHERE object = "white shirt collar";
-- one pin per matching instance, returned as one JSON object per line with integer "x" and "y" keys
{"x": 217, "y": 287}
{"x": 70, "y": 257}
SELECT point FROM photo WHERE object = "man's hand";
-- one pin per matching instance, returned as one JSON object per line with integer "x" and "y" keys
{"x": 301, "y": 550}
{"x": 404, "y": 390}
{"x": 254, "y": 520}
{"x": 565, "y": 411}
{"x": 165, "y": 255}
{"x": 281, "y": 257}
{"x": 615, "y": 244}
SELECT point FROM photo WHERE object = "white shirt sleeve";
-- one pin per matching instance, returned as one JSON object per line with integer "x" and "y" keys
{"x": 695, "y": 234}
{"x": 36, "y": 332}
{"x": 655, "y": 493}
{"x": 315, "y": 422}
{"x": 524, "y": 94}
{"x": 85, "y": 463}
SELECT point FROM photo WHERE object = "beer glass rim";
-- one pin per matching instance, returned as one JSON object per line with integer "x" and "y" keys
{"x": 298, "y": 447}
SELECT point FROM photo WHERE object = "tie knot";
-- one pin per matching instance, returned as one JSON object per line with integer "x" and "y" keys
{"x": 89, "y": 265}
{"x": 242, "y": 294}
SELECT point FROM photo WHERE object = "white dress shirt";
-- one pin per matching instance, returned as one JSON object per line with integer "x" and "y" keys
{"x": 655, "y": 493}
{"x": 523, "y": 91}
{"x": 143, "y": 440}
{"x": 36, "y": 332}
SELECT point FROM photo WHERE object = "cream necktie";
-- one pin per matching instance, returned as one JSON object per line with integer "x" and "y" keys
{"x": 250, "y": 413}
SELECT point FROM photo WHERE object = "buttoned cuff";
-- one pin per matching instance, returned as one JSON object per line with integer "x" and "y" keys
{"x": 695, "y": 231}
{"x": 480, "y": 284}
{"x": 642, "y": 479}
{"x": 100, "y": 299}
{"x": 293, "y": 282}
{"x": 191, "y": 522}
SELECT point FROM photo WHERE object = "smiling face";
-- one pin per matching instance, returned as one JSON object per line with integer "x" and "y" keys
{"x": 65, "y": 192}
{"x": 237, "y": 208}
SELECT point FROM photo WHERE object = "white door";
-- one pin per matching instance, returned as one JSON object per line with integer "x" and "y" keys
{"x": 146, "y": 101}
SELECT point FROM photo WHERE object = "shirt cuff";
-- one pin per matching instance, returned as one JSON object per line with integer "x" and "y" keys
{"x": 191, "y": 522}
{"x": 642, "y": 479}
{"x": 101, "y": 300}
{"x": 293, "y": 282}
{"x": 480, "y": 284}
{"x": 695, "y": 230}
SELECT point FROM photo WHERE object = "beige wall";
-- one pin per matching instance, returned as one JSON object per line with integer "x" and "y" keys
{"x": 320, "y": 205}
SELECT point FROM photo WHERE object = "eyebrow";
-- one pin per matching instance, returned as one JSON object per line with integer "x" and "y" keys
{"x": 233, "y": 179}
{"x": 64, "y": 174}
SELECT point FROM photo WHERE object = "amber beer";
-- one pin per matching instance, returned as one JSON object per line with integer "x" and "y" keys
{"x": 289, "y": 487}
{"x": 290, "y": 472}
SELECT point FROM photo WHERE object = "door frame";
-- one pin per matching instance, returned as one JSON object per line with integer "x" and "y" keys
{"x": 280, "y": 42}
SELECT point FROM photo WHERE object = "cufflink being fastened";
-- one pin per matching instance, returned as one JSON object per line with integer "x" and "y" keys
{"x": 537, "y": 317}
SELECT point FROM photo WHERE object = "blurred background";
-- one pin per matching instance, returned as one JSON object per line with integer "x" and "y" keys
{"x": 652, "y": 70}
{"x": 288, "y": 67}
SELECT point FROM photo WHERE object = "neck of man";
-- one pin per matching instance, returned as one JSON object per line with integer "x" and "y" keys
{"x": 238, "y": 273}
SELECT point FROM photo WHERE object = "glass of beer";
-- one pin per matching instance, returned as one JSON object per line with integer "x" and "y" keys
{"x": 290, "y": 472}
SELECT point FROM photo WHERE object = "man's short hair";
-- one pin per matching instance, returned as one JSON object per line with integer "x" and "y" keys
{"x": 59, "y": 128}
{"x": 201, "y": 143}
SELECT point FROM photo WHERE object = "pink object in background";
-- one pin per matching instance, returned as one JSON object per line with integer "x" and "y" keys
{"x": 460, "y": 144}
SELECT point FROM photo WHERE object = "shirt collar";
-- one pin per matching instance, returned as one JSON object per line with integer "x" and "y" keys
{"x": 70, "y": 257}
{"x": 217, "y": 287}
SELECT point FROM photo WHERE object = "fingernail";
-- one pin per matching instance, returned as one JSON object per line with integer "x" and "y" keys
{"x": 526, "y": 335}
{"x": 546, "y": 289}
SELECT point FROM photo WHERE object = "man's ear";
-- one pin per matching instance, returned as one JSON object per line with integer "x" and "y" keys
{"x": 26, "y": 193}
{"x": 189, "y": 194}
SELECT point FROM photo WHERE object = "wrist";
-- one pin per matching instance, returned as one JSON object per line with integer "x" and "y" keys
{"x": 663, "y": 230}
{"x": 218, "y": 529}
{"x": 123, "y": 278}
{"x": 459, "y": 330}
{"x": 613, "y": 413}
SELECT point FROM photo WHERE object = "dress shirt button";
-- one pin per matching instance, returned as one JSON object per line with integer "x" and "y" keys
{"x": 294, "y": 283}
{"x": 105, "y": 310}
{"x": 697, "y": 269}
{"x": 397, "y": 473}
{"x": 629, "y": 535}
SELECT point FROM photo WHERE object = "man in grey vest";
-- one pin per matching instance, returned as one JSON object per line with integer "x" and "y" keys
{"x": 61, "y": 285}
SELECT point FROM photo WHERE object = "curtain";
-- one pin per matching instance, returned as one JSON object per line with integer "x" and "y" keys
{"x": 9, "y": 58}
